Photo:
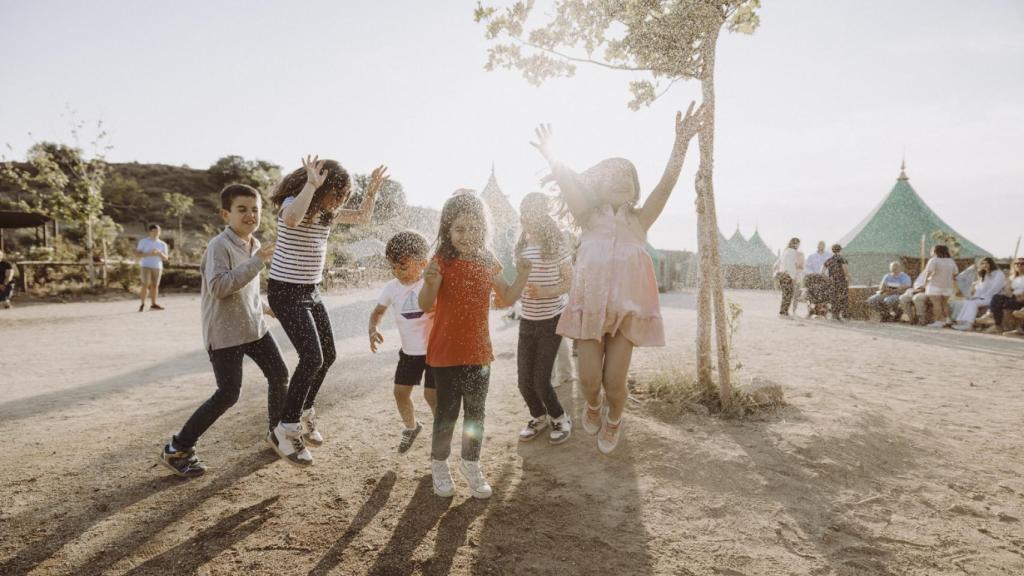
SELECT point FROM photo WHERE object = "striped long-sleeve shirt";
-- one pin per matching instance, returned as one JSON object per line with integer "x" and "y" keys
{"x": 544, "y": 273}
{"x": 301, "y": 251}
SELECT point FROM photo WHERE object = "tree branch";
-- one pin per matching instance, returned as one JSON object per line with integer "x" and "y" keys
{"x": 578, "y": 59}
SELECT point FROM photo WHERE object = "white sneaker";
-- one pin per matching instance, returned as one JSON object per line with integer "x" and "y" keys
{"x": 287, "y": 442}
{"x": 478, "y": 485}
{"x": 311, "y": 434}
{"x": 561, "y": 429}
{"x": 937, "y": 324}
{"x": 591, "y": 418}
{"x": 533, "y": 428}
{"x": 963, "y": 326}
{"x": 444, "y": 486}
{"x": 609, "y": 437}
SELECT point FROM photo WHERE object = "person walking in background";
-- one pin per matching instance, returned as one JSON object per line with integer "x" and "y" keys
{"x": 787, "y": 272}
{"x": 887, "y": 299}
{"x": 6, "y": 281}
{"x": 151, "y": 252}
{"x": 838, "y": 272}
{"x": 940, "y": 273}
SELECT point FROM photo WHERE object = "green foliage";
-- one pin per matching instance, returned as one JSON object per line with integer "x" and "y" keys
{"x": 390, "y": 201}
{"x": 664, "y": 39}
{"x": 951, "y": 241}
{"x": 57, "y": 181}
{"x": 259, "y": 174}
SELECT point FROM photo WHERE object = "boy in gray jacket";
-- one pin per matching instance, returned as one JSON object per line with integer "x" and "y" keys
{"x": 233, "y": 325}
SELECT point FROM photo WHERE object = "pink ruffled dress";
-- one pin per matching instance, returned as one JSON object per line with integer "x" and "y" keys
{"x": 614, "y": 288}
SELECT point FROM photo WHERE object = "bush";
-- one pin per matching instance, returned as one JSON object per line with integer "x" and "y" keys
{"x": 187, "y": 279}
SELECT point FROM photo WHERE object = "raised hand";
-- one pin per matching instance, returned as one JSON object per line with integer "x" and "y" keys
{"x": 376, "y": 339}
{"x": 266, "y": 251}
{"x": 315, "y": 173}
{"x": 543, "y": 142}
{"x": 377, "y": 179}
{"x": 523, "y": 266}
{"x": 687, "y": 126}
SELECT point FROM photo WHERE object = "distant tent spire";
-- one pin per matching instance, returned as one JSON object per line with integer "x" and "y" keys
{"x": 903, "y": 168}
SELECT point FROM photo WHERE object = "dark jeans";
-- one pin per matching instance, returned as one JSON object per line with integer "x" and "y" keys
{"x": 457, "y": 387}
{"x": 7, "y": 292}
{"x": 840, "y": 299}
{"x": 227, "y": 369}
{"x": 1000, "y": 304}
{"x": 305, "y": 320}
{"x": 538, "y": 347}
{"x": 786, "y": 284}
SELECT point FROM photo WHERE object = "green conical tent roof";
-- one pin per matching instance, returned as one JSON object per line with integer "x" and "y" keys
{"x": 896, "y": 225}
{"x": 760, "y": 251}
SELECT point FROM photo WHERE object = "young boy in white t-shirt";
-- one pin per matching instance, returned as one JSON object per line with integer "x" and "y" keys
{"x": 407, "y": 252}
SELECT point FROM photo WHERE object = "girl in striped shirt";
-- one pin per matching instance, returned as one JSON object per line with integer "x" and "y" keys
{"x": 309, "y": 201}
{"x": 543, "y": 244}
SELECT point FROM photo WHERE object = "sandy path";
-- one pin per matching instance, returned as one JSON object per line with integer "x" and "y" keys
{"x": 901, "y": 453}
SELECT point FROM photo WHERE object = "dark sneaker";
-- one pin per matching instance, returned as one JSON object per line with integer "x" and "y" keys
{"x": 408, "y": 436}
{"x": 287, "y": 442}
{"x": 184, "y": 463}
{"x": 156, "y": 307}
{"x": 142, "y": 307}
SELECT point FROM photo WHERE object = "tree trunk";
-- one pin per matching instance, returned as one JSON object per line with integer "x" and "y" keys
{"x": 90, "y": 244}
{"x": 703, "y": 294}
{"x": 710, "y": 261}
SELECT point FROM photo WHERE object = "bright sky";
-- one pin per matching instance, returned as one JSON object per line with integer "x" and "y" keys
{"x": 815, "y": 110}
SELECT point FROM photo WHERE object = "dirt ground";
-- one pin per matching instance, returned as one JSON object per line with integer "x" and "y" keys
{"x": 900, "y": 452}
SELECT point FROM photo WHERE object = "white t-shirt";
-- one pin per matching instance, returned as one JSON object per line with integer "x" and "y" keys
{"x": 1017, "y": 285}
{"x": 943, "y": 273}
{"x": 815, "y": 262}
{"x": 413, "y": 323}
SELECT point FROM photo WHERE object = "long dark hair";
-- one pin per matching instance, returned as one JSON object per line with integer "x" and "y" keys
{"x": 991, "y": 267}
{"x": 332, "y": 194}
{"x": 592, "y": 180}
{"x": 549, "y": 237}
{"x": 458, "y": 205}
{"x": 941, "y": 251}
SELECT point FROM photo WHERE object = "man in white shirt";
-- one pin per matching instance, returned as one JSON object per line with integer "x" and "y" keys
{"x": 151, "y": 252}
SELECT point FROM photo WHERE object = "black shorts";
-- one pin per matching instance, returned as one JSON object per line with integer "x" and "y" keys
{"x": 411, "y": 369}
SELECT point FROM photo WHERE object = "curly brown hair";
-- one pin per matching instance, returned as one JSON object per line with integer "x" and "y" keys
{"x": 331, "y": 195}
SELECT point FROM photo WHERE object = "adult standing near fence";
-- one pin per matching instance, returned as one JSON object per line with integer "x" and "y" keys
{"x": 6, "y": 281}
{"x": 151, "y": 252}
{"x": 787, "y": 272}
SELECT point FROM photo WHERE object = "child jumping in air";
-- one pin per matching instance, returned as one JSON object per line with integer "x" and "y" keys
{"x": 310, "y": 200}
{"x": 233, "y": 325}
{"x": 407, "y": 252}
{"x": 542, "y": 243}
{"x": 613, "y": 303}
{"x": 457, "y": 287}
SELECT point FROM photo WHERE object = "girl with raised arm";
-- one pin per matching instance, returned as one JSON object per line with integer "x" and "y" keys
{"x": 310, "y": 201}
{"x": 613, "y": 302}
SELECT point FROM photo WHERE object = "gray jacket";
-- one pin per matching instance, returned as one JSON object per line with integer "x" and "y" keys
{"x": 231, "y": 305}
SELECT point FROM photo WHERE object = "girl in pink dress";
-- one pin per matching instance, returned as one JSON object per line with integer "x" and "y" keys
{"x": 613, "y": 304}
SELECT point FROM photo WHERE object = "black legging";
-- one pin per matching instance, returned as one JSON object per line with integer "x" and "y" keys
{"x": 460, "y": 387}
{"x": 227, "y": 369}
{"x": 786, "y": 284}
{"x": 1000, "y": 304}
{"x": 305, "y": 320}
{"x": 538, "y": 347}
